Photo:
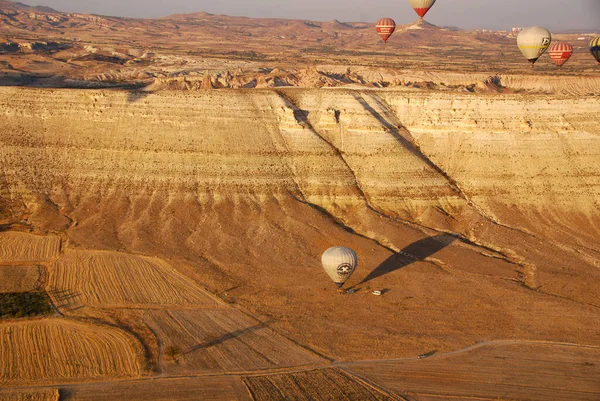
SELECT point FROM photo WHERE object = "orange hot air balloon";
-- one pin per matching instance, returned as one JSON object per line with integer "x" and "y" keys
{"x": 560, "y": 53}
{"x": 385, "y": 27}
{"x": 421, "y": 6}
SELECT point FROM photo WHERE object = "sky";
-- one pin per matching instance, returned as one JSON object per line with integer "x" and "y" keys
{"x": 466, "y": 14}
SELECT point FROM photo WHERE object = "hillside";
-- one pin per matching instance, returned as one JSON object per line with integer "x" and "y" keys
{"x": 168, "y": 186}
{"x": 14, "y": 5}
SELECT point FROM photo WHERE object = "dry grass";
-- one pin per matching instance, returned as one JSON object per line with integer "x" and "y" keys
{"x": 54, "y": 350}
{"x": 323, "y": 385}
{"x": 19, "y": 278}
{"x": 106, "y": 279}
{"x": 222, "y": 340}
{"x": 23, "y": 247}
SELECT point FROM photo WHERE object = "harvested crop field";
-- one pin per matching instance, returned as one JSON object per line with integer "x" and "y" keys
{"x": 19, "y": 278}
{"x": 223, "y": 340}
{"x": 223, "y": 388}
{"x": 23, "y": 247}
{"x": 505, "y": 370}
{"x": 27, "y": 395}
{"x": 112, "y": 279}
{"x": 53, "y": 350}
{"x": 323, "y": 385}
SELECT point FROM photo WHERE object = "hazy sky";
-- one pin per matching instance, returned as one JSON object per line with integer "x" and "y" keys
{"x": 467, "y": 14}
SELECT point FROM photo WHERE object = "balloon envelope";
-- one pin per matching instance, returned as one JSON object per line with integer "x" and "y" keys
{"x": 533, "y": 42}
{"x": 385, "y": 27}
{"x": 560, "y": 53}
{"x": 421, "y": 6}
{"x": 595, "y": 48}
{"x": 339, "y": 263}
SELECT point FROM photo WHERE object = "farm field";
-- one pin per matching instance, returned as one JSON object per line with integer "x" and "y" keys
{"x": 222, "y": 340}
{"x": 58, "y": 350}
{"x": 111, "y": 279}
{"x": 504, "y": 370}
{"x": 214, "y": 388}
{"x": 24, "y": 247}
{"x": 326, "y": 384}
{"x": 35, "y": 395}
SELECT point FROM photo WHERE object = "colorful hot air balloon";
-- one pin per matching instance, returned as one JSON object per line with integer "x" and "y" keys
{"x": 533, "y": 42}
{"x": 560, "y": 53}
{"x": 421, "y": 6}
{"x": 595, "y": 48}
{"x": 339, "y": 263}
{"x": 385, "y": 27}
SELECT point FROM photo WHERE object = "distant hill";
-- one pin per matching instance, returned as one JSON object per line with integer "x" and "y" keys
{"x": 13, "y": 5}
{"x": 189, "y": 16}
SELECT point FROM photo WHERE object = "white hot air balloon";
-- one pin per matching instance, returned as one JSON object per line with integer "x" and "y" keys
{"x": 339, "y": 263}
{"x": 533, "y": 42}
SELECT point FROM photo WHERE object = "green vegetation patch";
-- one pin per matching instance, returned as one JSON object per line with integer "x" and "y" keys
{"x": 24, "y": 304}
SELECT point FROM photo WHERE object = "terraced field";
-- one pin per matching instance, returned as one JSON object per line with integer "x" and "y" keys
{"x": 325, "y": 384}
{"x": 51, "y": 350}
{"x": 112, "y": 279}
{"x": 23, "y": 247}
{"x": 223, "y": 340}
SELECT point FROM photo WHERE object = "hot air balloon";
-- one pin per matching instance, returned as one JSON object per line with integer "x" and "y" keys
{"x": 421, "y": 6}
{"x": 560, "y": 53}
{"x": 533, "y": 42}
{"x": 339, "y": 263}
{"x": 385, "y": 27}
{"x": 595, "y": 48}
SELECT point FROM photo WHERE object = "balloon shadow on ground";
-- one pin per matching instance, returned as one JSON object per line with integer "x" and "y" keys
{"x": 413, "y": 253}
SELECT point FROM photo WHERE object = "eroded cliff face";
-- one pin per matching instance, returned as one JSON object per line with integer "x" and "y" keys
{"x": 528, "y": 161}
{"x": 219, "y": 145}
{"x": 246, "y": 188}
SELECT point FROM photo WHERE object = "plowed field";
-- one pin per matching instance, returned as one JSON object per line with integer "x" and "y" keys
{"x": 322, "y": 385}
{"x": 110, "y": 279}
{"x": 224, "y": 340}
{"x": 58, "y": 350}
{"x": 23, "y": 247}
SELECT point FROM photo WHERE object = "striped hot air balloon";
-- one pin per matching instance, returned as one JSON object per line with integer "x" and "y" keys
{"x": 385, "y": 27}
{"x": 595, "y": 48}
{"x": 560, "y": 53}
{"x": 533, "y": 42}
{"x": 421, "y": 6}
